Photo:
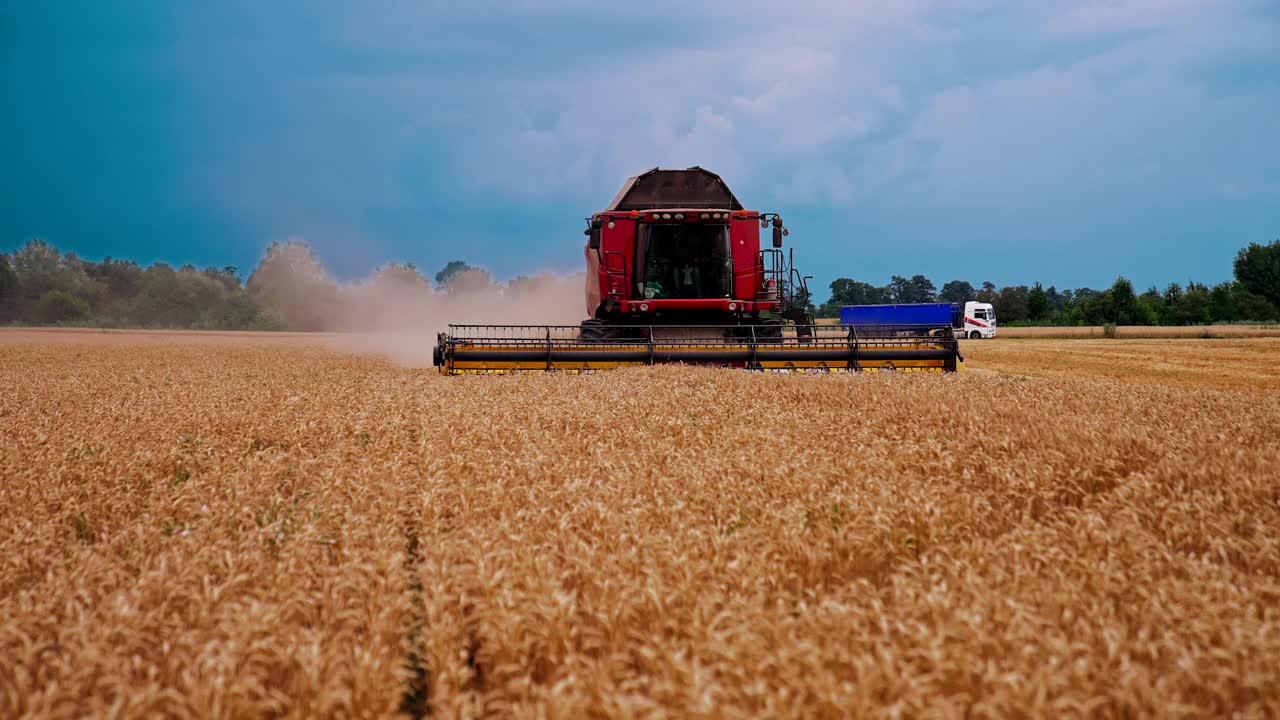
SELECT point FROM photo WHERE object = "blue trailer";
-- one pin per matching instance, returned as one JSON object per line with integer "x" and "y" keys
{"x": 936, "y": 315}
{"x": 927, "y": 325}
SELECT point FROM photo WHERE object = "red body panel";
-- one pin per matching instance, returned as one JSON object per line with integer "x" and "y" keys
{"x": 618, "y": 258}
{"x": 744, "y": 239}
{"x": 615, "y": 270}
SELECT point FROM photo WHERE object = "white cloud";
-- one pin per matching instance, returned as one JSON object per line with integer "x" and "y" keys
{"x": 832, "y": 103}
{"x": 747, "y": 108}
{"x": 1127, "y": 15}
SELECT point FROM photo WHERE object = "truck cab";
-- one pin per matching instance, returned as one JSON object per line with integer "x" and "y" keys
{"x": 977, "y": 322}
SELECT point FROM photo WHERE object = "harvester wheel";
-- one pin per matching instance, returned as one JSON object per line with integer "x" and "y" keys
{"x": 767, "y": 330}
{"x": 597, "y": 330}
{"x": 975, "y": 335}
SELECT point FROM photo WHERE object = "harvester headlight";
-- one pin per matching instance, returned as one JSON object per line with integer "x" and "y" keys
{"x": 612, "y": 224}
{"x": 733, "y": 306}
{"x": 679, "y": 216}
{"x": 666, "y": 216}
{"x": 644, "y": 307}
{"x": 705, "y": 216}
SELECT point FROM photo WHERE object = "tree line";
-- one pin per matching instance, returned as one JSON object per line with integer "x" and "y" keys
{"x": 41, "y": 286}
{"x": 1252, "y": 296}
{"x": 288, "y": 290}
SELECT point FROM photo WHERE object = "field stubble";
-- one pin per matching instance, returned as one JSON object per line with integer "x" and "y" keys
{"x": 238, "y": 528}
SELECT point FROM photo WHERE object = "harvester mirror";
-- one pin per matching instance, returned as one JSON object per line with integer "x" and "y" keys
{"x": 593, "y": 234}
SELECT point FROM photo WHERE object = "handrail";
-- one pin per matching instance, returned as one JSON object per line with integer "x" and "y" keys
{"x": 615, "y": 273}
{"x": 774, "y": 270}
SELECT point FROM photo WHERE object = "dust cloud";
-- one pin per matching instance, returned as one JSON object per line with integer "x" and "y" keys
{"x": 397, "y": 312}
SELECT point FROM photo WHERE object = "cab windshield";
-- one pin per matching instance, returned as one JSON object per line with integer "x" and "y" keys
{"x": 683, "y": 260}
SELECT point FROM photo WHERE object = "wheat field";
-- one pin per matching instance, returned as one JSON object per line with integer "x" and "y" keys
{"x": 1128, "y": 332}
{"x": 1144, "y": 331}
{"x": 246, "y": 526}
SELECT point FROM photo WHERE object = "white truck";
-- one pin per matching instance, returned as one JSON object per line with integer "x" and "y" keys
{"x": 978, "y": 321}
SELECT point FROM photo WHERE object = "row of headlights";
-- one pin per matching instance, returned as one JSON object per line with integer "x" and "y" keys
{"x": 679, "y": 216}
{"x": 703, "y": 216}
{"x": 644, "y": 306}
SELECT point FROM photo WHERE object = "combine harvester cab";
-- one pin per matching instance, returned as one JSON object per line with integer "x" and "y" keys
{"x": 676, "y": 274}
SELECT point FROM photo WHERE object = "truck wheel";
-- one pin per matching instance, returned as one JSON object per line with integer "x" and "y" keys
{"x": 975, "y": 335}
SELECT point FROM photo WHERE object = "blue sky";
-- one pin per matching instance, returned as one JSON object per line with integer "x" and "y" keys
{"x": 996, "y": 140}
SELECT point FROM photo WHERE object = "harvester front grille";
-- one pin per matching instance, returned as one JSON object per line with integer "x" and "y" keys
{"x": 569, "y": 348}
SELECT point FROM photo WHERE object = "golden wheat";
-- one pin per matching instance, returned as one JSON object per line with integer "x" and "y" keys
{"x": 1145, "y": 331}
{"x": 1249, "y": 365}
{"x": 243, "y": 526}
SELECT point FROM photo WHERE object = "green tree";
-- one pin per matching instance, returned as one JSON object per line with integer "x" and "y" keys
{"x": 1151, "y": 307}
{"x": 8, "y": 287}
{"x": 1170, "y": 313}
{"x": 1037, "y": 303}
{"x": 121, "y": 281}
{"x": 1057, "y": 300}
{"x": 36, "y": 265}
{"x": 1096, "y": 308}
{"x": 1252, "y": 306}
{"x": 1011, "y": 304}
{"x": 853, "y": 292}
{"x": 957, "y": 291}
{"x": 59, "y": 306}
{"x": 918, "y": 289}
{"x": 845, "y": 291}
{"x": 1222, "y": 303}
{"x": 1257, "y": 267}
{"x": 1123, "y": 305}
{"x": 290, "y": 284}
{"x": 1193, "y": 306}
{"x": 450, "y": 270}
{"x": 923, "y": 290}
{"x": 404, "y": 276}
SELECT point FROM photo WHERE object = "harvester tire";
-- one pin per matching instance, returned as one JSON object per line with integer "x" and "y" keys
{"x": 768, "y": 331}
{"x": 597, "y": 330}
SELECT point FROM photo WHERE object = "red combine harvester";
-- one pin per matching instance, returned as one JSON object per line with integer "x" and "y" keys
{"x": 676, "y": 274}
{"x": 676, "y": 248}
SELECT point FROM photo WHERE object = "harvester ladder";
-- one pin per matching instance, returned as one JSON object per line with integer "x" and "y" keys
{"x": 772, "y": 266}
{"x": 619, "y": 276}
